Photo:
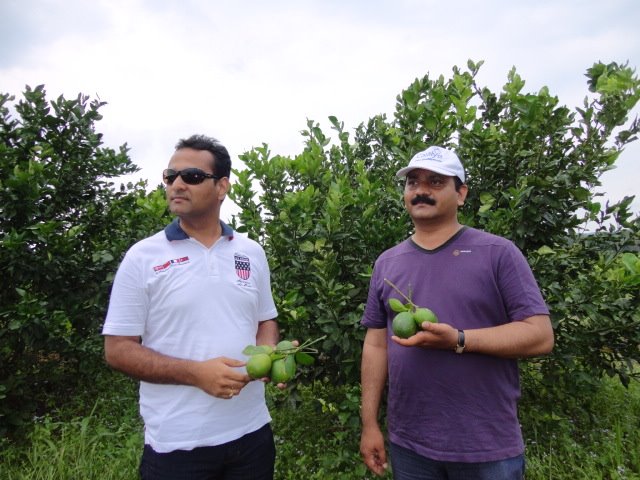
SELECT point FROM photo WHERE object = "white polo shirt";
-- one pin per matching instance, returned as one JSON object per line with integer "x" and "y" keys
{"x": 193, "y": 302}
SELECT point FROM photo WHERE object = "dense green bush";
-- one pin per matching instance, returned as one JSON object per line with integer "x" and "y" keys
{"x": 317, "y": 436}
{"x": 323, "y": 218}
{"x": 63, "y": 228}
{"x": 533, "y": 169}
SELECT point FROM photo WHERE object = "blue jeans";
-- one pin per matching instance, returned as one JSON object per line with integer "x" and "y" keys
{"x": 408, "y": 465}
{"x": 251, "y": 456}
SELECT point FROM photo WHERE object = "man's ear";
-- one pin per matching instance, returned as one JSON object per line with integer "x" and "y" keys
{"x": 462, "y": 194}
{"x": 224, "y": 185}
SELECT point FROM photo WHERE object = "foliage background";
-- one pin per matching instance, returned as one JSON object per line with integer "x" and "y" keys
{"x": 63, "y": 230}
{"x": 323, "y": 217}
{"x": 533, "y": 167}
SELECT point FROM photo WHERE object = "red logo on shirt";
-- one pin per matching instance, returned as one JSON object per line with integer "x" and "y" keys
{"x": 243, "y": 266}
{"x": 170, "y": 263}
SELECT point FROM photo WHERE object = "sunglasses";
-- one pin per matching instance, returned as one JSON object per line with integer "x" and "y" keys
{"x": 190, "y": 176}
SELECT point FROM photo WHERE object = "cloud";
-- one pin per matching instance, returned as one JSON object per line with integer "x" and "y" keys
{"x": 253, "y": 72}
{"x": 27, "y": 26}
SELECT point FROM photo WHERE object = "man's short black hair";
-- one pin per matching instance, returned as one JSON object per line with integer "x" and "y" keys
{"x": 221, "y": 159}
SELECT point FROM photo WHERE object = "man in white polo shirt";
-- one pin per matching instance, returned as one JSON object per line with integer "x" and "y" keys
{"x": 184, "y": 304}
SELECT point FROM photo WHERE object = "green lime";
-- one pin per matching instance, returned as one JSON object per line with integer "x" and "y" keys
{"x": 424, "y": 315}
{"x": 283, "y": 369}
{"x": 279, "y": 372}
{"x": 403, "y": 325}
{"x": 259, "y": 365}
{"x": 290, "y": 365}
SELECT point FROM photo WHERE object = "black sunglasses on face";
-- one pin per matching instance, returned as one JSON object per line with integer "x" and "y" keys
{"x": 190, "y": 176}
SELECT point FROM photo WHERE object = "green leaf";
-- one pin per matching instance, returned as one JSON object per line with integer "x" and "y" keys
{"x": 631, "y": 262}
{"x": 307, "y": 246}
{"x": 304, "y": 358}
{"x": 253, "y": 349}
{"x": 396, "y": 305}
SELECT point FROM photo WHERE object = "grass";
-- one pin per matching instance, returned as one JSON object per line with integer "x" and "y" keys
{"x": 98, "y": 435}
{"x": 604, "y": 445}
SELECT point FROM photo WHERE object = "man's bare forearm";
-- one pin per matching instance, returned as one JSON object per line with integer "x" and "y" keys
{"x": 268, "y": 333}
{"x": 129, "y": 356}
{"x": 373, "y": 375}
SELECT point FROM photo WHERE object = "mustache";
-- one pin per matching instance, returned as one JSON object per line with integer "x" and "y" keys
{"x": 422, "y": 199}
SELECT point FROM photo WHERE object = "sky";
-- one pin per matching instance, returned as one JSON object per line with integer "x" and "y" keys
{"x": 252, "y": 72}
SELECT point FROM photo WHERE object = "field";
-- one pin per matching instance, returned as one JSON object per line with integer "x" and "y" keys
{"x": 97, "y": 435}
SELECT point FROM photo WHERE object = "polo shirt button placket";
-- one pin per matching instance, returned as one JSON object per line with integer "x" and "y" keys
{"x": 213, "y": 263}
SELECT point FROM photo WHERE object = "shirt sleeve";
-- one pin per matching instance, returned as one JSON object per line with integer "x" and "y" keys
{"x": 128, "y": 305}
{"x": 375, "y": 315}
{"x": 521, "y": 293}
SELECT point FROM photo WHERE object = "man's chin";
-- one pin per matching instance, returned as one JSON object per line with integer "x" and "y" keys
{"x": 177, "y": 211}
{"x": 177, "y": 206}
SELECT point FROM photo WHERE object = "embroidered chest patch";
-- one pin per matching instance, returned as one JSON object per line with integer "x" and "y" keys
{"x": 243, "y": 266}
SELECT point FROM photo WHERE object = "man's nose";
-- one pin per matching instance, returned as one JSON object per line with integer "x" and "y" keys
{"x": 178, "y": 183}
{"x": 424, "y": 186}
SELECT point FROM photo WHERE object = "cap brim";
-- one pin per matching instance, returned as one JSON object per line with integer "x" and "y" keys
{"x": 442, "y": 171}
{"x": 403, "y": 172}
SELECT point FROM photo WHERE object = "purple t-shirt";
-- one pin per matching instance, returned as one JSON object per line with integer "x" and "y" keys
{"x": 443, "y": 405}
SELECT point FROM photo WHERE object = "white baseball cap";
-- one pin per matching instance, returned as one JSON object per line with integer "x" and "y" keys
{"x": 436, "y": 159}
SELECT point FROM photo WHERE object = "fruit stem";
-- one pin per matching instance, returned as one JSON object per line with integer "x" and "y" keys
{"x": 399, "y": 291}
{"x": 304, "y": 347}
{"x": 311, "y": 342}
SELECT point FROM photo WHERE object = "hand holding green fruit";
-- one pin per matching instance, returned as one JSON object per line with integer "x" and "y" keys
{"x": 279, "y": 363}
{"x": 259, "y": 365}
{"x": 403, "y": 325}
{"x": 423, "y": 314}
{"x": 410, "y": 317}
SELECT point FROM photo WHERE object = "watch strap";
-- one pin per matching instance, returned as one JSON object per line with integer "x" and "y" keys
{"x": 460, "y": 346}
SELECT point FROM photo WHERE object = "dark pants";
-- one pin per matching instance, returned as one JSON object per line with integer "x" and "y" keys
{"x": 249, "y": 457}
{"x": 408, "y": 465}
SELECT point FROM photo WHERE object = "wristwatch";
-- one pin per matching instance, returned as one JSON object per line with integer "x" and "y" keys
{"x": 460, "y": 345}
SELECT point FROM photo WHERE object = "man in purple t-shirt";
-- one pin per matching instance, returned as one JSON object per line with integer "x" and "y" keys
{"x": 453, "y": 387}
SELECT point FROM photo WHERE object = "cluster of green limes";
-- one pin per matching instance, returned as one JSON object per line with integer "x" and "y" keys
{"x": 279, "y": 363}
{"x": 409, "y": 318}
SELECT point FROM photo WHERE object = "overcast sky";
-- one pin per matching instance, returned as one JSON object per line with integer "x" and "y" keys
{"x": 253, "y": 72}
